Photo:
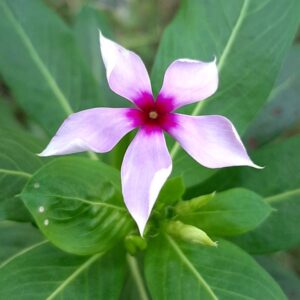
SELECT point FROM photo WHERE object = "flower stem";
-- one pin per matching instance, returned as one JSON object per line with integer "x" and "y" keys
{"x": 137, "y": 277}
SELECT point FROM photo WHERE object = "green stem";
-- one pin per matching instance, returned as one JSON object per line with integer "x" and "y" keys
{"x": 137, "y": 277}
{"x": 280, "y": 197}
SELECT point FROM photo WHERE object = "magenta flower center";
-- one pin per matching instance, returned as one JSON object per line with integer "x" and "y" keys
{"x": 152, "y": 114}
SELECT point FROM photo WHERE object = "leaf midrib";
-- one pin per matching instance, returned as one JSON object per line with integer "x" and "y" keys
{"x": 14, "y": 172}
{"x": 10, "y": 259}
{"x": 107, "y": 205}
{"x": 62, "y": 100}
{"x": 68, "y": 280}
{"x": 76, "y": 273}
{"x": 235, "y": 30}
{"x": 190, "y": 266}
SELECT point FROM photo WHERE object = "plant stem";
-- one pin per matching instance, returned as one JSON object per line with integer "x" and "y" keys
{"x": 137, "y": 277}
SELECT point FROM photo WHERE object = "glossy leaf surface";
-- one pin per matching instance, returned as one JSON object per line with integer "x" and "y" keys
{"x": 228, "y": 213}
{"x": 40, "y": 271}
{"x": 177, "y": 270}
{"x": 77, "y": 204}
{"x": 40, "y": 62}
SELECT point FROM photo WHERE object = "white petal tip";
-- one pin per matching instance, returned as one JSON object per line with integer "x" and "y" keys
{"x": 101, "y": 36}
{"x": 43, "y": 154}
{"x": 141, "y": 227}
{"x": 257, "y": 167}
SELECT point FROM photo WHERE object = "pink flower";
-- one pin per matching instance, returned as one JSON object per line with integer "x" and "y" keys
{"x": 210, "y": 140}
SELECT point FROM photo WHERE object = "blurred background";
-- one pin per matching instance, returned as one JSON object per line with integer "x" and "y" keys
{"x": 138, "y": 25}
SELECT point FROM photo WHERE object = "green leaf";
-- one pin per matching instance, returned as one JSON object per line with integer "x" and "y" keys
{"x": 17, "y": 163}
{"x": 171, "y": 192}
{"x": 8, "y": 120}
{"x": 86, "y": 29}
{"x": 284, "y": 275}
{"x": 281, "y": 172}
{"x": 13, "y": 241}
{"x": 191, "y": 172}
{"x": 249, "y": 39}
{"x": 229, "y": 213}
{"x": 282, "y": 110}
{"x": 41, "y": 271}
{"x": 40, "y": 62}
{"x": 178, "y": 270}
{"x": 279, "y": 183}
{"x": 278, "y": 232}
{"x": 77, "y": 204}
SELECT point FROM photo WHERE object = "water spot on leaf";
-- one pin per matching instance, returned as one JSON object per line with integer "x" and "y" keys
{"x": 41, "y": 209}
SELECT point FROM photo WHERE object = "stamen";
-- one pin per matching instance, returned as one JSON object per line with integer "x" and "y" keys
{"x": 153, "y": 115}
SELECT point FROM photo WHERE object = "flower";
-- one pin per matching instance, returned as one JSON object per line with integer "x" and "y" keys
{"x": 210, "y": 140}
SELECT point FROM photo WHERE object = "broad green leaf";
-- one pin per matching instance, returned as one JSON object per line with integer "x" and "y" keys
{"x": 12, "y": 238}
{"x": 41, "y": 271}
{"x": 249, "y": 39}
{"x": 87, "y": 24}
{"x": 279, "y": 183}
{"x": 191, "y": 172}
{"x": 278, "y": 232}
{"x": 40, "y": 62}
{"x": 178, "y": 270}
{"x": 7, "y": 119}
{"x": 282, "y": 110}
{"x": 284, "y": 275}
{"x": 229, "y": 213}
{"x": 171, "y": 192}
{"x": 77, "y": 204}
{"x": 281, "y": 172}
{"x": 17, "y": 163}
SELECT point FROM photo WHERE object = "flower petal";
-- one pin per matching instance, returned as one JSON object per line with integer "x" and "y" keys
{"x": 146, "y": 166}
{"x": 187, "y": 81}
{"x": 210, "y": 140}
{"x": 126, "y": 73}
{"x": 96, "y": 129}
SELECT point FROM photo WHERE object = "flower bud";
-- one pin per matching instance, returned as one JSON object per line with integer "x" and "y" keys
{"x": 186, "y": 207}
{"x": 189, "y": 233}
{"x": 133, "y": 243}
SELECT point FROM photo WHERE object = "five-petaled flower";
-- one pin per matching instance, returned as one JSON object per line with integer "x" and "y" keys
{"x": 210, "y": 140}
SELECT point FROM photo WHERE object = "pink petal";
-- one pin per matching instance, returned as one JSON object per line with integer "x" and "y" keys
{"x": 210, "y": 140}
{"x": 146, "y": 166}
{"x": 126, "y": 73}
{"x": 96, "y": 129}
{"x": 187, "y": 81}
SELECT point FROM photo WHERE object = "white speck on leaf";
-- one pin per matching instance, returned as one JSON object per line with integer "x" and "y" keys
{"x": 41, "y": 209}
{"x": 36, "y": 185}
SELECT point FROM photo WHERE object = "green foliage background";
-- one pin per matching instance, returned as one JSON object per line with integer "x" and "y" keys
{"x": 64, "y": 230}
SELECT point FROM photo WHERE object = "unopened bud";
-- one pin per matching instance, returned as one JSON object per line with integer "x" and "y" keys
{"x": 189, "y": 233}
{"x": 189, "y": 206}
{"x": 133, "y": 243}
